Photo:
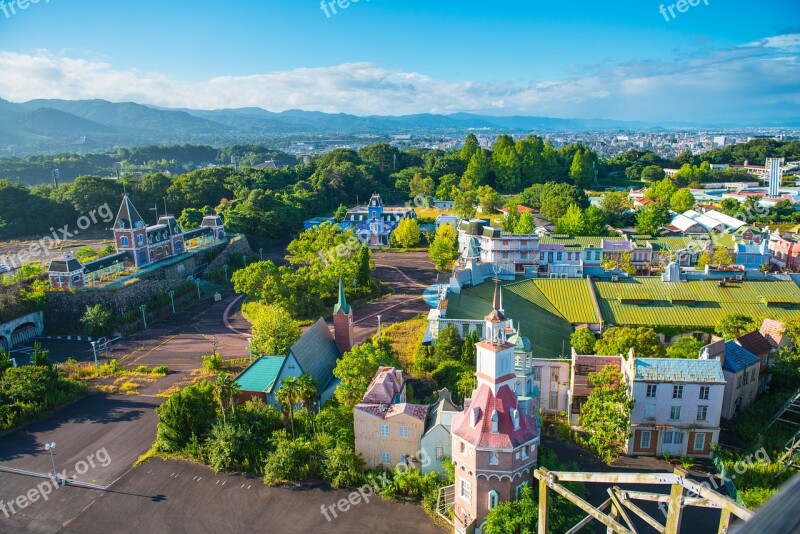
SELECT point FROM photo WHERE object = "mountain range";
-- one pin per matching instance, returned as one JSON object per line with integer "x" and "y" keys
{"x": 48, "y": 125}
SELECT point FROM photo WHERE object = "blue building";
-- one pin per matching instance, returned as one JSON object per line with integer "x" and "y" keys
{"x": 753, "y": 255}
{"x": 317, "y": 221}
{"x": 374, "y": 223}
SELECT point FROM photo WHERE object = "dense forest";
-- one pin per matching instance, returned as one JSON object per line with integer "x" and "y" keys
{"x": 273, "y": 203}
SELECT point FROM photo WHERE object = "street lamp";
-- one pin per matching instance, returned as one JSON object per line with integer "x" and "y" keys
{"x": 94, "y": 351}
{"x": 172, "y": 300}
{"x": 197, "y": 283}
{"x": 226, "y": 272}
{"x": 50, "y": 447}
{"x": 261, "y": 253}
{"x": 379, "y": 326}
{"x": 142, "y": 308}
{"x": 250, "y": 348}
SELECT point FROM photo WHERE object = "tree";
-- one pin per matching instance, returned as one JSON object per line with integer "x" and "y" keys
{"x": 341, "y": 213}
{"x": 464, "y": 198}
{"x": 607, "y": 413}
{"x": 582, "y": 170}
{"x": 730, "y": 206}
{"x": 703, "y": 260}
{"x": 478, "y": 169}
{"x": 96, "y": 320}
{"x": 614, "y": 204}
{"x": 621, "y": 261}
{"x": 733, "y": 326}
{"x": 190, "y": 219}
{"x": 652, "y": 173}
{"x": 274, "y": 331}
{"x": 420, "y": 187}
{"x": 407, "y": 233}
{"x": 583, "y": 341}
{"x": 682, "y": 200}
{"x": 448, "y": 346}
{"x": 525, "y": 225}
{"x": 227, "y": 391}
{"x": 356, "y": 369}
{"x": 572, "y": 222}
{"x": 444, "y": 191}
{"x": 489, "y": 199}
{"x": 288, "y": 395}
{"x": 186, "y": 415}
{"x": 364, "y": 274}
{"x": 307, "y": 391}
{"x": 507, "y": 164}
{"x": 594, "y": 221}
{"x": 470, "y": 148}
{"x": 687, "y": 348}
{"x": 722, "y": 256}
{"x": 662, "y": 191}
{"x": 556, "y": 198}
{"x": 650, "y": 219}
{"x": 619, "y": 340}
{"x": 443, "y": 252}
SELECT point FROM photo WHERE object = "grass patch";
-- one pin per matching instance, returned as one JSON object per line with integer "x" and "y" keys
{"x": 406, "y": 338}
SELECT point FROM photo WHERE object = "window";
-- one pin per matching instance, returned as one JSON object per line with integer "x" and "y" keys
{"x": 645, "y": 437}
{"x": 123, "y": 241}
{"x": 386, "y": 458}
{"x": 493, "y": 458}
{"x": 649, "y": 411}
{"x": 493, "y": 499}
{"x": 403, "y": 459}
{"x": 549, "y": 257}
{"x": 702, "y": 413}
{"x": 559, "y": 255}
{"x": 518, "y": 490}
{"x": 677, "y": 392}
{"x": 140, "y": 240}
{"x": 651, "y": 391}
{"x": 554, "y": 400}
{"x": 536, "y": 373}
{"x": 699, "y": 442}
{"x": 463, "y": 447}
{"x": 754, "y": 374}
{"x": 384, "y": 431}
{"x": 705, "y": 391}
{"x": 675, "y": 413}
{"x": 439, "y": 453}
{"x": 541, "y": 256}
{"x": 404, "y": 431}
{"x": 466, "y": 490}
{"x": 76, "y": 278}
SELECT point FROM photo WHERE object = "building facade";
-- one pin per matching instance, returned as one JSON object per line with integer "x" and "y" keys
{"x": 374, "y": 223}
{"x": 740, "y": 368}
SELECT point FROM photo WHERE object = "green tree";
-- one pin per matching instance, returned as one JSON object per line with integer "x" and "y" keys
{"x": 687, "y": 348}
{"x": 443, "y": 252}
{"x": 489, "y": 199}
{"x": 420, "y": 187}
{"x": 341, "y": 213}
{"x": 190, "y": 219}
{"x": 572, "y": 223}
{"x": 653, "y": 173}
{"x": 40, "y": 357}
{"x": 5, "y": 362}
{"x": 407, "y": 233}
{"x": 582, "y": 170}
{"x": 650, "y": 219}
{"x": 470, "y": 148}
{"x": 507, "y": 164}
{"x": 464, "y": 198}
{"x": 288, "y": 395}
{"x": 96, "y": 320}
{"x": 293, "y": 460}
{"x": 364, "y": 275}
{"x": 722, "y": 256}
{"x": 307, "y": 391}
{"x": 583, "y": 341}
{"x": 444, "y": 191}
{"x": 703, "y": 260}
{"x": 614, "y": 204}
{"x": 556, "y": 198}
{"x": 477, "y": 172}
{"x": 274, "y": 331}
{"x": 607, "y": 413}
{"x": 594, "y": 221}
{"x": 526, "y": 224}
{"x": 733, "y": 326}
{"x": 448, "y": 345}
{"x": 619, "y": 340}
{"x": 186, "y": 415}
{"x": 356, "y": 369}
{"x": 682, "y": 200}
{"x": 227, "y": 390}
{"x": 662, "y": 191}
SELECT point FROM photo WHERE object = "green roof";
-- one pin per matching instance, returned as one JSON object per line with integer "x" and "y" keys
{"x": 672, "y": 244}
{"x": 568, "y": 297}
{"x": 341, "y": 304}
{"x": 262, "y": 374}
{"x": 647, "y": 301}
{"x": 578, "y": 241}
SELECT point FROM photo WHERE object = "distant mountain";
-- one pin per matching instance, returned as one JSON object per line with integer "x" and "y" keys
{"x": 52, "y": 125}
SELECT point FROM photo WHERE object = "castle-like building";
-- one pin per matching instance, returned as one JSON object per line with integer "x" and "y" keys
{"x": 495, "y": 441}
{"x": 137, "y": 245}
{"x": 374, "y": 223}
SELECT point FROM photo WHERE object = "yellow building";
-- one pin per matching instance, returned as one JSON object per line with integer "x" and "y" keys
{"x": 389, "y": 430}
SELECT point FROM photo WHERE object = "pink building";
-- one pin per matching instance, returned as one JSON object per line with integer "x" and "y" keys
{"x": 785, "y": 252}
{"x": 494, "y": 444}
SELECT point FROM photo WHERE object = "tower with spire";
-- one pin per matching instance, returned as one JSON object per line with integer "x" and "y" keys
{"x": 343, "y": 322}
{"x": 495, "y": 441}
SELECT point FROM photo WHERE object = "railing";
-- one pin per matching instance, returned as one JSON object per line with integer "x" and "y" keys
{"x": 444, "y": 503}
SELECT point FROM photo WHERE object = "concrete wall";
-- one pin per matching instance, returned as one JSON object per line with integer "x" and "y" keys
{"x": 21, "y": 329}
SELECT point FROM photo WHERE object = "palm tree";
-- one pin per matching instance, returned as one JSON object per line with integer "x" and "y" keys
{"x": 227, "y": 390}
{"x": 307, "y": 391}
{"x": 288, "y": 396}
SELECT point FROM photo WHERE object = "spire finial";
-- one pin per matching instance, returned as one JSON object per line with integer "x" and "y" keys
{"x": 341, "y": 304}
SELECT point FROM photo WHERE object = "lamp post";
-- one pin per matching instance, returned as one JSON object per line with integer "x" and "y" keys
{"x": 244, "y": 259}
{"x": 261, "y": 253}
{"x": 250, "y": 348}
{"x": 226, "y": 272}
{"x": 50, "y": 447}
{"x": 94, "y": 351}
{"x": 197, "y": 283}
{"x": 172, "y": 300}
{"x": 142, "y": 308}
{"x": 379, "y": 326}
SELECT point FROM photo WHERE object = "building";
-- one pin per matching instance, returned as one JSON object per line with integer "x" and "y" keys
{"x": 582, "y": 368}
{"x": 785, "y": 251}
{"x": 314, "y": 354}
{"x": 510, "y": 253}
{"x": 388, "y": 430}
{"x": 740, "y": 369}
{"x": 137, "y": 246}
{"x": 374, "y": 223}
{"x": 752, "y": 255}
{"x": 677, "y": 405}
{"x": 775, "y": 333}
{"x": 495, "y": 443}
{"x": 318, "y": 221}
{"x": 447, "y": 218}
{"x": 757, "y": 344}
{"x": 437, "y": 440}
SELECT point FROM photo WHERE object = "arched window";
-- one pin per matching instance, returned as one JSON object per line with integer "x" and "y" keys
{"x": 123, "y": 240}
{"x": 494, "y": 499}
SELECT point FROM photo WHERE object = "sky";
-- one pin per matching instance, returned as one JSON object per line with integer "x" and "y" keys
{"x": 721, "y": 61}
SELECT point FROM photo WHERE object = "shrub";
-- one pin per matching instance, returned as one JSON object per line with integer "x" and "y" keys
{"x": 162, "y": 370}
{"x": 186, "y": 415}
{"x": 143, "y": 369}
{"x": 212, "y": 363}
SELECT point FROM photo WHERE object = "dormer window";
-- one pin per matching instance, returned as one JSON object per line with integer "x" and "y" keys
{"x": 515, "y": 418}
{"x": 475, "y": 415}
{"x": 495, "y": 422}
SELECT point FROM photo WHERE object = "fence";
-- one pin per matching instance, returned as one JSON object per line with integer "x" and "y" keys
{"x": 726, "y": 478}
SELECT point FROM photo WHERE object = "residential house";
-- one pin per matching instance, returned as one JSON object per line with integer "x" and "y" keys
{"x": 678, "y": 405}
{"x": 581, "y": 369}
{"x": 562, "y": 256}
{"x": 775, "y": 333}
{"x": 757, "y": 344}
{"x": 262, "y": 378}
{"x": 740, "y": 369}
{"x": 752, "y": 255}
{"x": 374, "y": 223}
{"x": 388, "y": 430}
{"x": 437, "y": 440}
{"x": 318, "y": 221}
{"x": 495, "y": 443}
{"x": 785, "y": 251}
{"x": 447, "y": 218}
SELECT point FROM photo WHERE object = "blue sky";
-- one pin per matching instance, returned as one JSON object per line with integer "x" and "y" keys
{"x": 726, "y": 61}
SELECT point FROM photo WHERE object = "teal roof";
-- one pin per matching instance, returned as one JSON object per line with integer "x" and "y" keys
{"x": 342, "y": 304}
{"x": 262, "y": 374}
{"x": 679, "y": 370}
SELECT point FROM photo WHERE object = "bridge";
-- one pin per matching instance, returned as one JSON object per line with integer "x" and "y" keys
{"x": 21, "y": 330}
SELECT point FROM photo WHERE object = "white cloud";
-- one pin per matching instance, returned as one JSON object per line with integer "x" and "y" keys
{"x": 758, "y": 79}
